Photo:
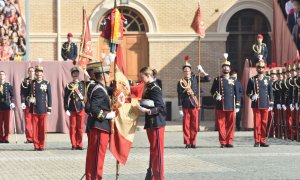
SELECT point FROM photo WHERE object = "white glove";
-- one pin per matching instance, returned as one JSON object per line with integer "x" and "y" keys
{"x": 199, "y": 67}
{"x": 237, "y": 110}
{"x": 48, "y": 113}
{"x": 283, "y": 107}
{"x": 297, "y": 106}
{"x": 68, "y": 113}
{"x": 142, "y": 109}
{"x": 219, "y": 97}
{"x": 292, "y": 107}
{"x": 110, "y": 115}
{"x": 12, "y": 106}
{"x": 23, "y": 106}
{"x": 254, "y": 97}
{"x": 278, "y": 106}
{"x": 181, "y": 113}
{"x": 270, "y": 108}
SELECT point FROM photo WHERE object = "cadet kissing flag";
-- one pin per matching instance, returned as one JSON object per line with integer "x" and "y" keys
{"x": 127, "y": 114}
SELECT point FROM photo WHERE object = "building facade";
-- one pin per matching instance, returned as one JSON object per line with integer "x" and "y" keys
{"x": 158, "y": 33}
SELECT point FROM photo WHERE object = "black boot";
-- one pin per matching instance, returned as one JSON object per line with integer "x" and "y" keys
{"x": 222, "y": 146}
{"x": 229, "y": 145}
{"x": 187, "y": 146}
{"x": 264, "y": 145}
{"x": 256, "y": 145}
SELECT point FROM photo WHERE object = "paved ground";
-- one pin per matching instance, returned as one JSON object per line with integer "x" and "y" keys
{"x": 208, "y": 161}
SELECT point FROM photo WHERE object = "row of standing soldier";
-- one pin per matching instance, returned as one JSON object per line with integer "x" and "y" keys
{"x": 284, "y": 123}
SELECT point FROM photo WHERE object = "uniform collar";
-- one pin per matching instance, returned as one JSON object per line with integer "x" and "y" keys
{"x": 151, "y": 83}
{"x": 226, "y": 76}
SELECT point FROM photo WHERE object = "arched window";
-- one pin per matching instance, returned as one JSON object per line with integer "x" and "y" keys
{"x": 135, "y": 21}
{"x": 243, "y": 28}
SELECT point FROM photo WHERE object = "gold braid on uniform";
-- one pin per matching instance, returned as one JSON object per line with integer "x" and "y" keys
{"x": 22, "y": 84}
{"x": 185, "y": 87}
{"x": 68, "y": 48}
{"x": 258, "y": 51}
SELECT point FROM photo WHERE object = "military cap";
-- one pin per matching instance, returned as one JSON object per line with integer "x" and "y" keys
{"x": 273, "y": 71}
{"x": 91, "y": 66}
{"x": 73, "y": 69}
{"x": 279, "y": 71}
{"x": 102, "y": 69}
{"x": 39, "y": 68}
{"x": 70, "y": 34}
{"x": 226, "y": 62}
{"x": 260, "y": 63}
{"x": 283, "y": 70}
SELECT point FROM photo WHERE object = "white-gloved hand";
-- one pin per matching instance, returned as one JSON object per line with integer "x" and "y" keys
{"x": 23, "y": 106}
{"x": 297, "y": 106}
{"x": 68, "y": 113}
{"x": 254, "y": 97}
{"x": 181, "y": 113}
{"x": 199, "y": 67}
{"x": 12, "y": 106}
{"x": 142, "y": 109}
{"x": 292, "y": 107}
{"x": 278, "y": 106}
{"x": 48, "y": 113}
{"x": 237, "y": 110}
{"x": 283, "y": 107}
{"x": 219, "y": 97}
{"x": 110, "y": 115}
{"x": 270, "y": 108}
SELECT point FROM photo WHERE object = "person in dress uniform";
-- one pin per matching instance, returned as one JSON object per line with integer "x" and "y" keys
{"x": 187, "y": 90}
{"x": 297, "y": 102}
{"x": 74, "y": 107}
{"x": 154, "y": 108}
{"x": 69, "y": 49}
{"x": 6, "y": 104}
{"x": 99, "y": 126}
{"x": 278, "y": 102}
{"x": 225, "y": 91}
{"x": 233, "y": 75}
{"x": 288, "y": 106}
{"x": 25, "y": 95}
{"x": 260, "y": 48}
{"x": 259, "y": 90}
{"x": 40, "y": 106}
{"x": 271, "y": 118}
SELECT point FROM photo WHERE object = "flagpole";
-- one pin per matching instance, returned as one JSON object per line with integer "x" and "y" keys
{"x": 199, "y": 91}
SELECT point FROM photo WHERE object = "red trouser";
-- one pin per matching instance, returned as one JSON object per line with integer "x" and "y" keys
{"x": 97, "y": 144}
{"x": 76, "y": 128}
{"x": 28, "y": 123}
{"x": 226, "y": 123}
{"x": 156, "y": 140}
{"x": 4, "y": 123}
{"x": 190, "y": 125}
{"x": 260, "y": 125}
{"x": 39, "y": 130}
{"x": 289, "y": 120}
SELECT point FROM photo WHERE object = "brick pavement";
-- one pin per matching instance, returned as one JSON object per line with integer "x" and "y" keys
{"x": 208, "y": 161}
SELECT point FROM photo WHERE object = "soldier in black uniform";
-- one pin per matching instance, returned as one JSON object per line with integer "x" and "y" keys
{"x": 239, "y": 87}
{"x": 260, "y": 50}
{"x": 6, "y": 104}
{"x": 278, "y": 101}
{"x": 69, "y": 49}
{"x": 272, "y": 119}
{"x": 74, "y": 107}
{"x": 187, "y": 90}
{"x": 225, "y": 92}
{"x": 25, "y": 95}
{"x": 288, "y": 89}
{"x": 154, "y": 108}
{"x": 40, "y": 105}
{"x": 99, "y": 126}
{"x": 260, "y": 91}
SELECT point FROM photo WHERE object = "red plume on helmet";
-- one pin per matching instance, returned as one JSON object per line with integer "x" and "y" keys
{"x": 186, "y": 57}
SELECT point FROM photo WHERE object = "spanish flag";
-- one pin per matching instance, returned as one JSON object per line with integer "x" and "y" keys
{"x": 127, "y": 113}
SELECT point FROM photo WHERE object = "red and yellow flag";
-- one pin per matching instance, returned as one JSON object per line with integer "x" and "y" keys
{"x": 86, "y": 53}
{"x": 197, "y": 24}
{"x": 127, "y": 114}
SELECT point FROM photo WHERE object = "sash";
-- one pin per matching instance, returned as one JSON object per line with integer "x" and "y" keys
{"x": 190, "y": 92}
